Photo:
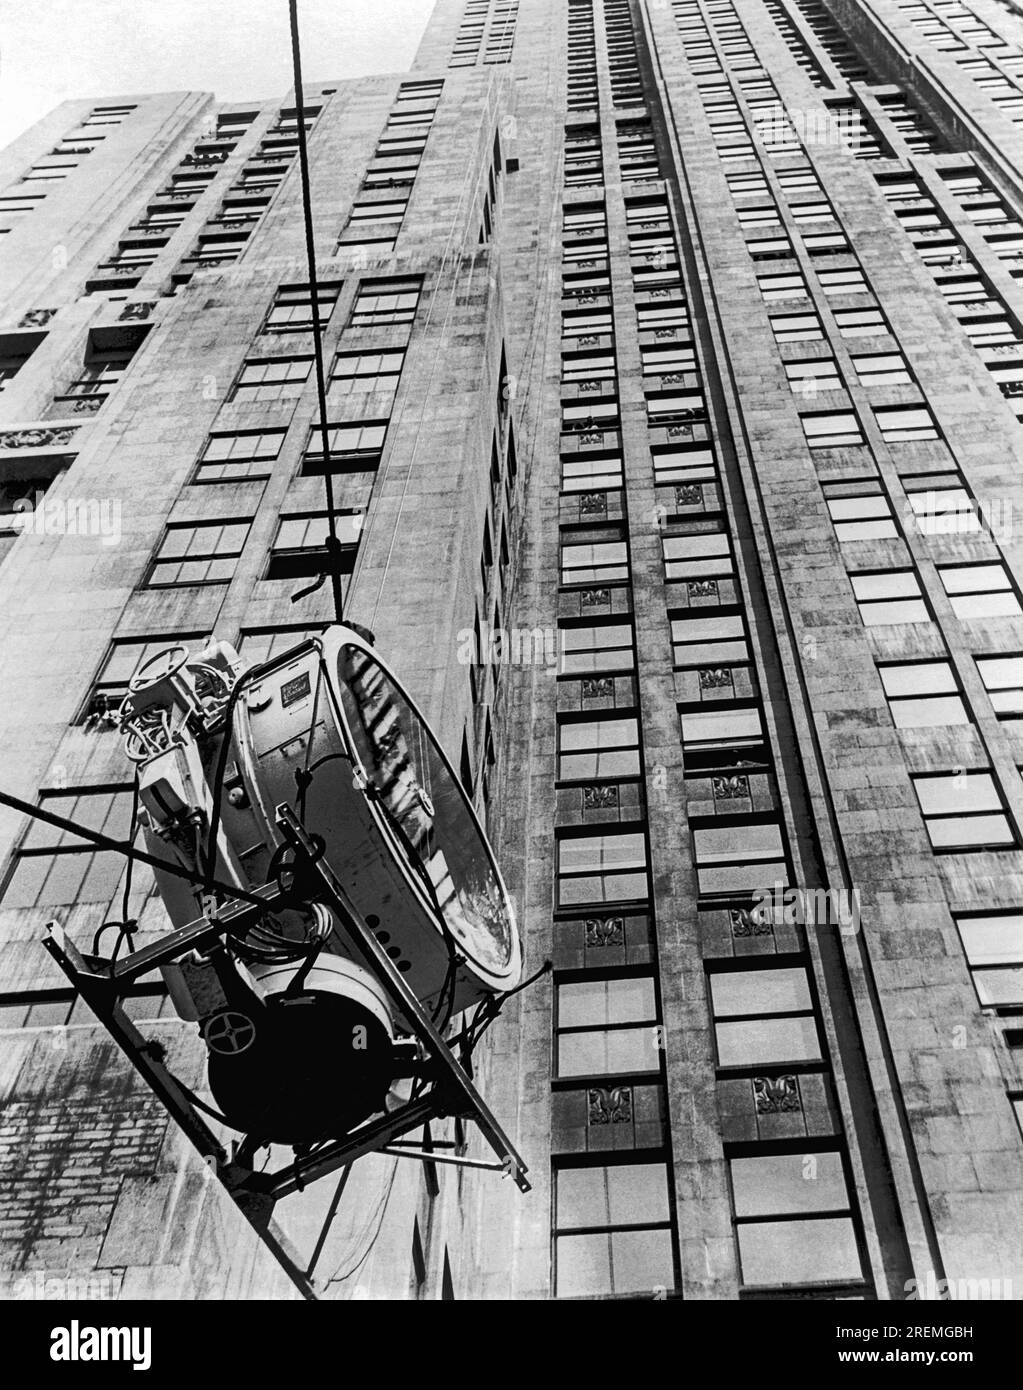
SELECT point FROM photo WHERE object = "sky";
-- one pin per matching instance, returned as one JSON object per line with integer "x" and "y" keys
{"x": 54, "y": 50}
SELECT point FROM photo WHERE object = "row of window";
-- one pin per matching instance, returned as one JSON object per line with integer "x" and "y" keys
{"x": 380, "y": 204}
{"x": 62, "y": 160}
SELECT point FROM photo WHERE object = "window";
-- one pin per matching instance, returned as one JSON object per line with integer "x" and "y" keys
{"x": 292, "y": 309}
{"x": 603, "y": 647}
{"x": 271, "y": 378}
{"x": 683, "y": 466}
{"x": 602, "y": 868}
{"x": 354, "y": 448}
{"x": 793, "y": 1221}
{"x": 259, "y": 644}
{"x": 300, "y": 547}
{"x": 651, "y": 317}
{"x": 588, "y": 366}
{"x": 922, "y": 694}
{"x": 899, "y": 423}
{"x": 713, "y": 729}
{"x": 232, "y": 457}
{"x": 198, "y": 552}
{"x": 859, "y": 510}
{"x": 57, "y": 868}
{"x": 882, "y": 369}
{"x": 711, "y": 640}
{"x": 963, "y": 811}
{"x": 941, "y": 506}
{"x": 591, "y": 473}
{"x": 598, "y": 748}
{"x": 593, "y": 562}
{"x": 797, "y": 328}
{"x": 763, "y": 1017}
{"x": 831, "y": 429}
{"x": 697, "y": 556}
{"x": 980, "y": 591}
{"x": 860, "y": 323}
{"x": 1003, "y": 680}
{"x": 668, "y": 361}
{"x": 612, "y": 1231}
{"x": 738, "y": 859}
{"x": 837, "y": 282}
{"x": 588, "y": 324}
{"x": 993, "y": 944}
{"x": 384, "y": 302}
{"x": 124, "y": 657}
{"x": 607, "y": 1026}
{"x": 778, "y": 287}
{"x": 816, "y": 374}
{"x": 98, "y": 374}
{"x": 889, "y": 596}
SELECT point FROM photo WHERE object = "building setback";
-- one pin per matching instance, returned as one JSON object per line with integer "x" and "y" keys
{"x": 676, "y": 385}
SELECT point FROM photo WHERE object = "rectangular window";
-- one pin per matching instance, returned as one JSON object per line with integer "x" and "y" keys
{"x": 300, "y": 546}
{"x": 612, "y": 1231}
{"x": 385, "y": 302}
{"x": 202, "y": 552}
{"x": 607, "y": 1026}
{"x": 980, "y": 591}
{"x": 1003, "y": 680}
{"x": 737, "y": 860}
{"x": 963, "y": 811}
{"x": 684, "y": 466}
{"x": 591, "y": 473}
{"x": 816, "y": 374}
{"x": 901, "y": 423}
{"x": 838, "y": 282}
{"x": 714, "y": 730}
{"x": 797, "y": 328}
{"x": 271, "y": 378}
{"x": 889, "y": 596}
{"x": 923, "y": 694}
{"x": 763, "y": 1017}
{"x": 860, "y": 323}
{"x": 882, "y": 369}
{"x": 831, "y": 429}
{"x": 602, "y": 647}
{"x": 603, "y": 868}
{"x": 355, "y": 372}
{"x": 56, "y": 868}
{"x": 697, "y": 556}
{"x": 598, "y": 748}
{"x": 236, "y": 455}
{"x": 859, "y": 510}
{"x": 355, "y": 448}
{"x": 793, "y": 1221}
{"x": 593, "y": 562}
{"x": 292, "y": 308}
{"x": 778, "y": 287}
{"x": 993, "y": 945}
{"x": 711, "y": 640}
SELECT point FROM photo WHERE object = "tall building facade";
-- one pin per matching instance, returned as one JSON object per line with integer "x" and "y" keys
{"x": 675, "y": 355}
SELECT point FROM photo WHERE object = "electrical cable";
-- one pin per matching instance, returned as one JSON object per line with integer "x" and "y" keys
{"x": 333, "y": 545}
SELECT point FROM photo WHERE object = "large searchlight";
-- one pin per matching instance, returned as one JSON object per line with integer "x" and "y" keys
{"x": 340, "y": 932}
{"x": 302, "y": 1038}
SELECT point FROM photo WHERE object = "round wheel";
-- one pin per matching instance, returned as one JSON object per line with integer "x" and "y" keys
{"x": 159, "y": 666}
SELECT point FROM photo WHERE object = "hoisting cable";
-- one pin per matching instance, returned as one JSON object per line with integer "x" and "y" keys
{"x": 334, "y": 548}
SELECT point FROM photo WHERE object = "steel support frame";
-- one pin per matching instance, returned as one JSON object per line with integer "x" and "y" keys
{"x": 103, "y": 984}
